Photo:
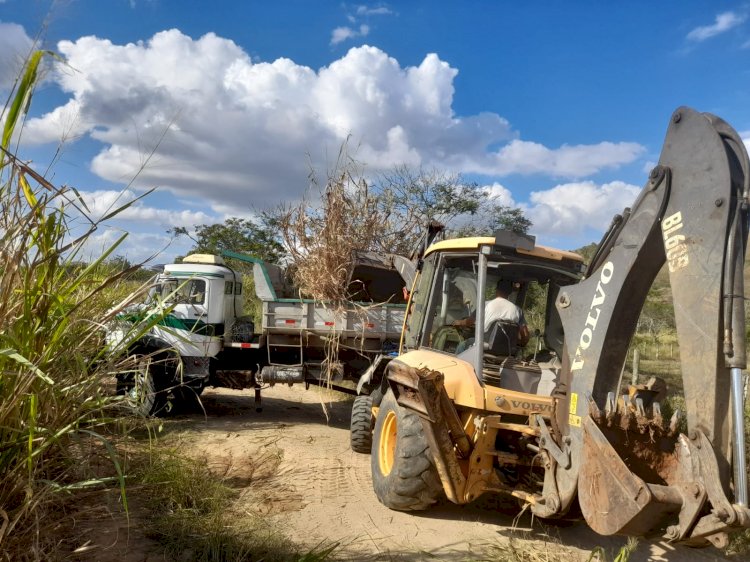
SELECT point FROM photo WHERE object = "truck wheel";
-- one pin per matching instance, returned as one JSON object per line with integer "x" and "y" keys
{"x": 360, "y": 429}
{"x": 187, "y": 397}
{"x": 403, "y": 474}
{"x": 142, "y": 395}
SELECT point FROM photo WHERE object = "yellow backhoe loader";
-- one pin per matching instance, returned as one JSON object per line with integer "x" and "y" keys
{"x": 464, "y": 409}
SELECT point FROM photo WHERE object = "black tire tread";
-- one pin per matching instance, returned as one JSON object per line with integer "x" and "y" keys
{"x": 413, "y": 484}
{"x": 187, "y": 398}
{"x": 360, "y": 428}
{"x": 126, "y": 382}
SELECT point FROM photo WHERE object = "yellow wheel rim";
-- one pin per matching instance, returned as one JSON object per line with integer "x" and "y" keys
{"x": 387, "y": 448}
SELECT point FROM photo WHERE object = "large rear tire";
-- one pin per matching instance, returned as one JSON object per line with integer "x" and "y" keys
{"x": 360, "y": 428}
{"x": 403, "y": 474}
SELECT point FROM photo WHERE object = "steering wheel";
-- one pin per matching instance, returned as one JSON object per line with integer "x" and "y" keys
{"x": 447, "y": 335}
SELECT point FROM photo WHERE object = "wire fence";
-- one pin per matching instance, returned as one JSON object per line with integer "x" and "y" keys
{"x": 661, "y": 359}
{"x": 647, "y": 359}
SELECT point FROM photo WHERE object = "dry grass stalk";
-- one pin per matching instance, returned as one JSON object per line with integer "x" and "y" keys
{"x": 321, "y": 239}
{"x": 53, "y": 366}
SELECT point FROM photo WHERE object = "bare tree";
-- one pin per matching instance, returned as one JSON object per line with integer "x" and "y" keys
{"x": 320, "y": 238}
{"x": 410, "y": 199}
{"x": 348, "y": 213}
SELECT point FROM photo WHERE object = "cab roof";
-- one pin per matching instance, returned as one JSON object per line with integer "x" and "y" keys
{"x": 522, "y": 244}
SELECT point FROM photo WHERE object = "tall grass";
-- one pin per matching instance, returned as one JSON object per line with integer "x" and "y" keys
{"x": 57, "y": 407}
{"x": 51, "y": 311}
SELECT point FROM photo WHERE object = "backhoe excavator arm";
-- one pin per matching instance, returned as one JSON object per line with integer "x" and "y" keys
{"x": 629, "y": 473}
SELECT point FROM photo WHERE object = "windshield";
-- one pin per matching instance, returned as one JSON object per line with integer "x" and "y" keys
{"x": 521, "y": 293}
{"x": 179, "y": 291}
{"x": 453, "y": 301}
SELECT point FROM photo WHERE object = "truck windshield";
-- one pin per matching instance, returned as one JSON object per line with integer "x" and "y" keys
{"x": 179, "y": 291}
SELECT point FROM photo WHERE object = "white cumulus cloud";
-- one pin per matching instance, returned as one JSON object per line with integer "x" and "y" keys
{"x": 15, "y": 46}
{"x": 500, "y": 194}
{"x": 524, "y": 157}
{"x": 723, "y": 22}
{"x": 102, "y": 202}
{"x": 745, "y": 135}
{"x": 569, "y": 209}
{"x": 343, "y": 33}
{"x": 200, "y": 118}
{"x": 382, "y": 10}
{"x": 137, "y": 247}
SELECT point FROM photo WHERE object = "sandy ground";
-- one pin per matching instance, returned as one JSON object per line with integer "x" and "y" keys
{"x": 321, "y": 491}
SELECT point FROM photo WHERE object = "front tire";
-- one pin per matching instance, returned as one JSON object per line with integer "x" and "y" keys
{"x": 360, "y": 428}
{"x": 187, "y": 397}
{"x": 142, "y": 395}
{"x": 404, "y": 476}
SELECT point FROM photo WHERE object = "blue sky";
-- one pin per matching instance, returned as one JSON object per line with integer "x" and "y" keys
{"x": 557, "y": 107}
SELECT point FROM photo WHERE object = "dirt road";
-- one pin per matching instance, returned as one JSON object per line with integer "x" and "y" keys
{"x": 318, "y": 490}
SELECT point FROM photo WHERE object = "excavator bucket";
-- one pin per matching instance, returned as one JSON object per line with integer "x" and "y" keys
{"x": 615, "y": 500}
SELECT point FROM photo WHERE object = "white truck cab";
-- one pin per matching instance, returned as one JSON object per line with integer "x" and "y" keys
{"x": 206, "y": 298}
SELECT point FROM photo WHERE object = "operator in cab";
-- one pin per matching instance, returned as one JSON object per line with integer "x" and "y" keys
{"x": 500, "y": 308}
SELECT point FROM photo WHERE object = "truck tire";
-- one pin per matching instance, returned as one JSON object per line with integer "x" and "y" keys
{"x": 403, "y": 474}
{"x": 142, "y": 394}
{"x": 187, "y": 397}
{"x": 360, "y": 429}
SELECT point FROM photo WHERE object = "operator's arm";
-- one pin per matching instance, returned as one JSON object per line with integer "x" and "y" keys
{"x": 467, "y": 322}
{"x": 523, "y": 331}
{"x": 523, "y": 335}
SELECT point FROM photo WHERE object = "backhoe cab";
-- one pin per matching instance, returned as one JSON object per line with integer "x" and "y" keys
{"x": 466, "y": 410}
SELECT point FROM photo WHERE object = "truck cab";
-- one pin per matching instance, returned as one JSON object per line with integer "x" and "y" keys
{"x": 191, "y": 333}
{"x": 206, "y": 298}
{"x": 500, "y": 391}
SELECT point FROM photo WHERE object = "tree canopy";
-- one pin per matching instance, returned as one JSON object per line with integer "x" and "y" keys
{"x": 391, "y": 211}
{"x": 237, "y": 235}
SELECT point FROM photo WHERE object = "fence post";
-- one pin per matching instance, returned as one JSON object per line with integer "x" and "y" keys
{"x": 636, "y": 364}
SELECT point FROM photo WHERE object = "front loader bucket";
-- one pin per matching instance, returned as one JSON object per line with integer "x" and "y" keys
{"x": 422, "y": 391}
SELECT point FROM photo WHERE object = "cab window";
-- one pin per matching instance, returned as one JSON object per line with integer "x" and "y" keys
{"x": 453, "y": 298}
{"x": 418, "y": 303}
{"x": 180, "y": 291}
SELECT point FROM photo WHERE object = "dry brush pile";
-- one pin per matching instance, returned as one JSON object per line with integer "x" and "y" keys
{"x": 348, "y": 213}
{"x": 321, "y": 240}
